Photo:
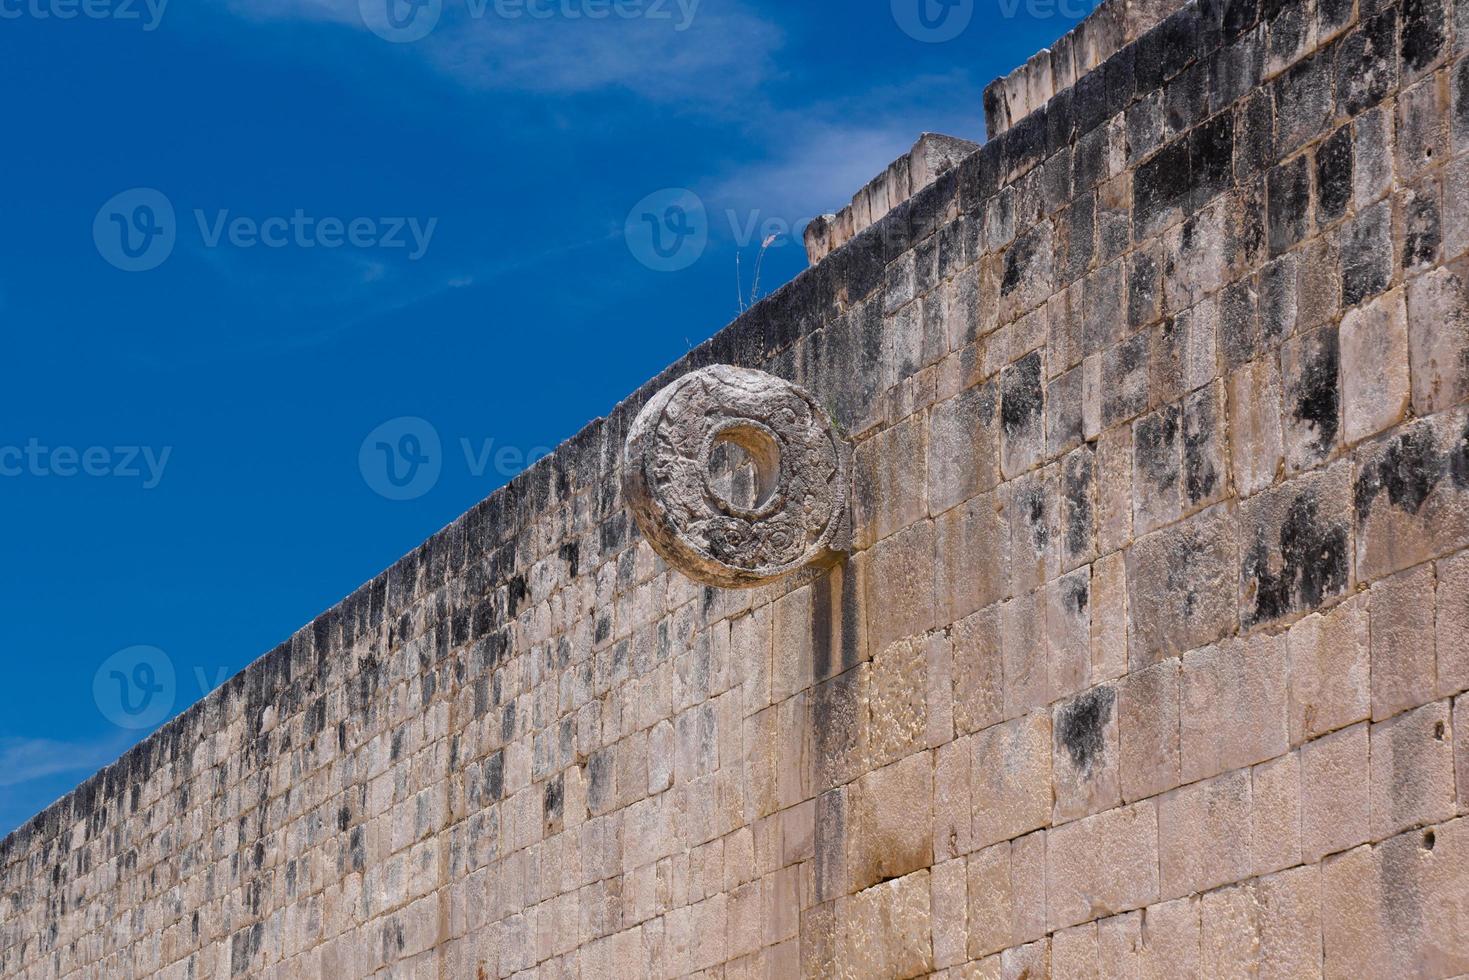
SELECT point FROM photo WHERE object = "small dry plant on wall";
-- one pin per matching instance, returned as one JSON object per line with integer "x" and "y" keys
{"x": 745, "y": 304}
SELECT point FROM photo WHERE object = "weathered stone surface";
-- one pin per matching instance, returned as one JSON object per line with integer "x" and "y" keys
{"x": 1148, "y": 730}
{"x": 1451, "y": 616}
{"x": 1335, "y": 798}
{"x": 1404, "y": 665}
{"x": 787, "y": 509}
{"x": 1330, "y": 666}
{"x": 1412, "y": 770}
{"x": 1295, "y": 546}
{"x": 1256, "y": 444}
{"x": 1233, "y": 705}
{"x": 1374, "y": 367}
{"x": 1085, "y": 755}
{"x": 1438, "y": 328}
{"x": 884, "y": 932}
{"x": 1181, "y": 582}
{"x": 1011, "y": 778}
{"x": 1101, "y": 865}
{"x": 1204, "y": 835}
{"x": 1411, "y": 495}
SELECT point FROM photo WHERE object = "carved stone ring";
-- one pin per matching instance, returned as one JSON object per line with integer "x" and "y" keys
{"x": 790, "y": 513}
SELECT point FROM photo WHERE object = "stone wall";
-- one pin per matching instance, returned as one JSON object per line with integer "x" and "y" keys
{"x": 1147, "y": 659}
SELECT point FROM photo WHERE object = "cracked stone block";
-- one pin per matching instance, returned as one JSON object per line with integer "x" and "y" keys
{"x": 891, "y": 821}
{"x": 973, "y": 556}
{"x": 1374, "y": 367}
{"x": 1311, "y": 382}
{"x": 1064, "y": 428}
{"x": 1275, "y": 788}
{"x": 1233, "y": 706}
{"x": 1077, "y": 499}
{"x": 1453, "y": 627}
{"x": 1156, "y": 465}
{"x": 1184, "y": 352}
{"x": 1421, "y": 226}
{"x": 1085, "y": 755}
{"x": 1330, "y": 665}
{"x": 1438, "y": 337}
{"x": 979, "y": 687}
{"x": 1295, "y": 546}
{"x": 1182, "y": 586}
{"x": 1023, "y": 647}
{"x": 884, "y": 932}
{"x": 1411, "y": 495}
{"x": 1403, "y": 657}
{"x": 1334, "y": 176}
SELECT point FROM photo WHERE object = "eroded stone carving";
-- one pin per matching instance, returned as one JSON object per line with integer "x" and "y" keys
{"x": 738, "y": 477}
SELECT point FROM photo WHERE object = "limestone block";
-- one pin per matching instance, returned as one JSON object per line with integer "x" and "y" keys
{"x": 949, "y": 907}
{"x": 883, "y": 933}
{"x": 1102, "y": 865}
{"x": 1336, "y": 801}
{"x": 900, "y": 586}
{"x": 886, "y": 496}
{"x": 1412, "y": 770}
{"x": 1233, "y": 705}
{"x": 1438, "y": 329}
{"x": 892, "y": 819}
{"x": 1182, "y": 586}
{"x": 963, "y": 447}
{"x": 1109, "y": 618}
{"x": 1148, "y": 727}
{"x": 1085, "y": 755}
{"x": 1330, "y": 664}
{"x": 1011, "y": 778}
{"x": 1068, "y": 633}
{"x": 1205, "y": 835}
{"x": 1374, "y": 367}
{"x": 1399, "y": 909}
{"x": 1023, "y": 648}
{"x": 1452, "y": 625}
{"x": 1022, "y": 415}
{"x": 1295, "y": 546}
{"x": 973, "y": 556}
{"x": 1403, "y": 661}
{"x": 1411, "y": 493}
{"x": 1276, "y": 794}
{"x": 1311, "y": 387}
{"x": 979, "y": 690}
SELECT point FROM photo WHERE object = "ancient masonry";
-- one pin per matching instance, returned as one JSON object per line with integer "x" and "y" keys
{"x": 1103, "y": 536}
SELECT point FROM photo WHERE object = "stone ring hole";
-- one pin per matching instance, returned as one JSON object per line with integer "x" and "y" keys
{"x": 744, "y": 468}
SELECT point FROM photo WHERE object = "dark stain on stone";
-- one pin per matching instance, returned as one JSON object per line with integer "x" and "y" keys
{"x": 1017, "y": 261}
{"x": 821, "y": 636}
{"x": 570, "y": 552}
{"x": 1079, "y": 595}
{"x": 1318, "y": 397}
{"x": 1077, "y": 479}
{"x": 518, "y": 594}
{"x": 1200, "y": 425}
{"x": 344, "y": 818}
{"x": 1157, "y": 448}
{"x": 1423, "y": 32}
{"x": 1313, "y": 563}
{"x": 1021, "y": 395}
{"x": 554, "y": 794}
{"x": 1409, "y": 470}
{"x": 1080, "y": 727}
{"x": 1459, "y": 460}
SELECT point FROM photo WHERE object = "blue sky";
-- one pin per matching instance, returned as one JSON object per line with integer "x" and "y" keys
{"x": 367, "y": 229}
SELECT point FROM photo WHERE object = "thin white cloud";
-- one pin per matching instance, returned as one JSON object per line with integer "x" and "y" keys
{"x": 683, "y": 51}
{"x": 23, "y": 760}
